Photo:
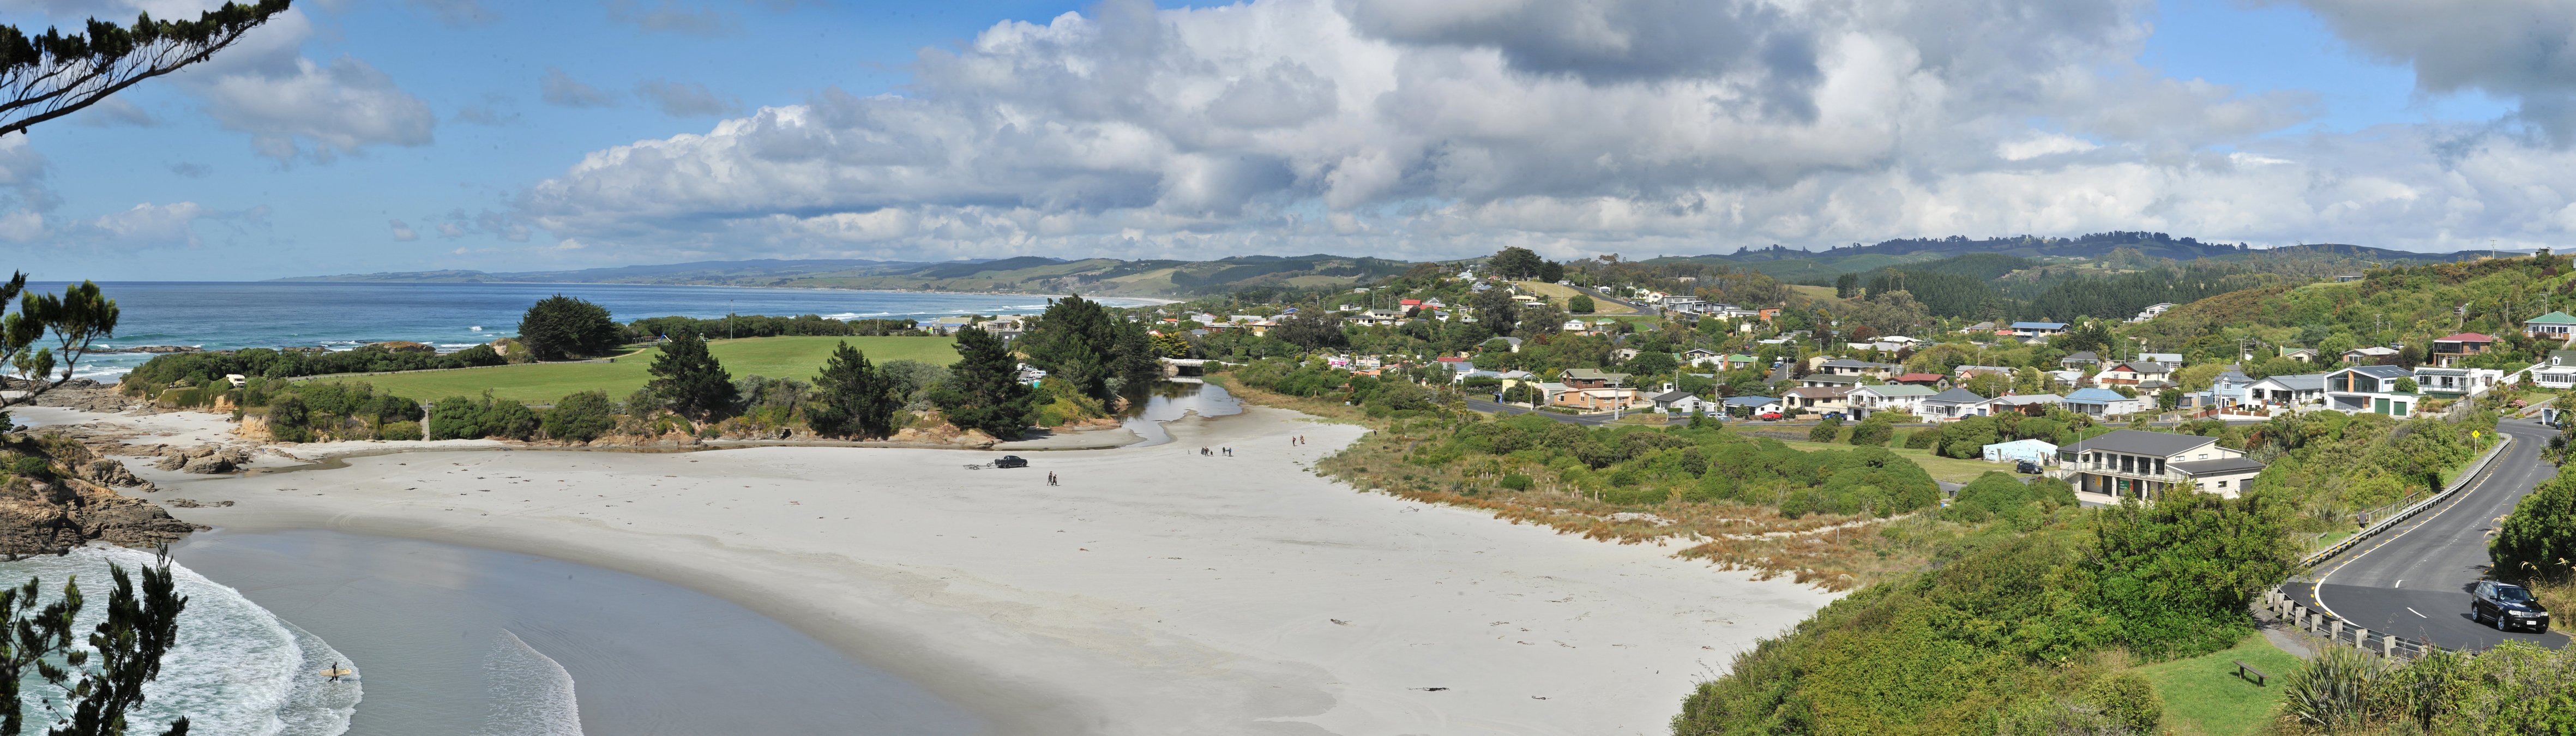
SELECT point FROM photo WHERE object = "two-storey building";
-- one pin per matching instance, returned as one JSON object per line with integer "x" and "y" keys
{"x": 1907, "y": 398}
{"x": 2135, "y": 373}
{"x": 2449, "y": 351}
{"x": 2370, "y": 388}
{"x": 2133, "y": 463}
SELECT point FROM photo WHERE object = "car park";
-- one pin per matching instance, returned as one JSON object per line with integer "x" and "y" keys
{"x": 2507, "y": 606}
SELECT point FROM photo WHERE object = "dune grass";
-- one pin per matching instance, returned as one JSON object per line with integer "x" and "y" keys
{"x": 2203, "y": 695}
{"x": 774, "y": 357}
{"x": 1949, "y": 469}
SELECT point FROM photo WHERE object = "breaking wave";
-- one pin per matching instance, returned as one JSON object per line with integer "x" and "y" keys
{"x": 531, "y": 693}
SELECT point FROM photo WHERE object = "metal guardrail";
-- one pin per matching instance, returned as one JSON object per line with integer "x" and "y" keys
{"x": 2341, "y": 633}
{"x": 2476, "y": 471}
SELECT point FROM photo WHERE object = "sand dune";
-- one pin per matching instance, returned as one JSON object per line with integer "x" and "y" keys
{"x": 1155, "y": 592}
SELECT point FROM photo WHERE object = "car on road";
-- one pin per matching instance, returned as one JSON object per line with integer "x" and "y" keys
{"x": 2027, "y": 467}
{"x": 1769, "y": 416}
{"x": 1011, "y": 461}
{"x": 2507, "y": 606}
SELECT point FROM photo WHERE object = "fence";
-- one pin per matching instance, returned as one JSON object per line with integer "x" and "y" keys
{"x": 2341, "y": 633}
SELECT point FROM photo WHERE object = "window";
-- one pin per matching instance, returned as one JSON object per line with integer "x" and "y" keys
{"x": 2222, "y": 484}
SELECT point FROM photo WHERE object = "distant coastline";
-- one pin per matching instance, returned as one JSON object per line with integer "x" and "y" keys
{"x": 1149, "y": 300}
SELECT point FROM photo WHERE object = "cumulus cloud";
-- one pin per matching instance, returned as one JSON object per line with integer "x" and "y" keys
{"x": 1446, "y": 127}
{"x": 685, "y": 100}
{"x": 560, "y": 89}
{"x": 2518, "y": 49}
{"x": 403, "y": 232}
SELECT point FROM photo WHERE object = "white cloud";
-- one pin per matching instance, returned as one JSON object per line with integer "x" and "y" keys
{"x": 2516, "y": 49}
{"x": 1430, "y": 127}
{"x": 403, "y": 232}
{"x": 560, "y": 89}
{"x": 319, "y": 112}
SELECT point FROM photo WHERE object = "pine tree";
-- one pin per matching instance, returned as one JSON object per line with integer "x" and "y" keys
{"x": 983, "y": 390}
{"x": 689, "y": 380}
{"x": 851, "y": 397}
{"x": 561, "y": 328}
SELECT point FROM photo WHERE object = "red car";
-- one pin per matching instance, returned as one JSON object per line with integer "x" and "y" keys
{"x": 1769, "y": 417}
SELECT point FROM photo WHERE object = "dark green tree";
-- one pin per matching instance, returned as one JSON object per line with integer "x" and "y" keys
{"x": 851, "y": 398}
{"x": 1311, "y": 330}
{"x": 48, "y": 76}
{"x": 983, "y": 390}
{"x": 1551, "y": 272}
{"x": 1579, "y": 304}
{"x": 128, "y": 646}
{"x": 1847, "y": 286}
{"x": 2538, "y": 540}
{"x": 690, "y": 382}
{"x": 581, "y": 417}
{"x": 1081, "y": 343}
{"x": 1516, "y": 263}
{"x": 561, "y": 328}
{"x": 1496, "y": 310}
{"x": 46, "y": 337}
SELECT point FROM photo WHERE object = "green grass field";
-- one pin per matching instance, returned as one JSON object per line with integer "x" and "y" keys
{"x": 2203, "y": 695}
{"x": 1940, "y": 468}
{"x": 543, "y": 383}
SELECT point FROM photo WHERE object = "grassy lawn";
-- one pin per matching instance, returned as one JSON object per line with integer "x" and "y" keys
{"x": 1941, "y": 468}
{"x": 2204, "y": 696}
{"x": 1558, "y": 294}
{"x": 1819, "y": 293}
{"x": 775, "y": 357}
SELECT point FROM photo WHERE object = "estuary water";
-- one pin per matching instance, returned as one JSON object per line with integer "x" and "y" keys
{"x": 231, "y": 315}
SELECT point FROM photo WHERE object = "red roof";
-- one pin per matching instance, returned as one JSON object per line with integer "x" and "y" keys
{"x": 2467, "y": 337}
{"x": 1412, "y": 302}
{"x": 1451, "y": 359}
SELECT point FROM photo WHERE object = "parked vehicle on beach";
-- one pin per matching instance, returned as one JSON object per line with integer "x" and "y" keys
{"x": 1010, "y": 461}
{"x": 2507, "y": 606}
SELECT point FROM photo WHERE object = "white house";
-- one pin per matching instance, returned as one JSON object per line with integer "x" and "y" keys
{"x": 1682, "y": 403}
{"x": 1888, "y": 397}
{"x": 2151, "y": 312}
{"x": 1955, "y": 404}
{"x": 2291, "y": 390}
{"x": 2102, "y": 402}
{"x": 2370, "y": 388}
{"x": 1753, "y": 405}
{"x": 2139, "y": 464}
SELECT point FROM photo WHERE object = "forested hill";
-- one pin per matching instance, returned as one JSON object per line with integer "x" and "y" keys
{"x": 1030, "y": 274}
{"x": 1804, "y": 266}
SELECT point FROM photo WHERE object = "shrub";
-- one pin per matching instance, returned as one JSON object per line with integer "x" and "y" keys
{"x": 1516, "y": 481}
{"x": 2539, "y": 538}
{"x": 399, "y": 431}
{"x": 560, "y": 327}
{"x": 288, "y": 418}
{"x": 461, "y": 418}
{"x": 1826, "y": 430}
{"x": 581, "y": 417}
{"x": 1923, "y": 439}
{"x": 1874, "y": 431}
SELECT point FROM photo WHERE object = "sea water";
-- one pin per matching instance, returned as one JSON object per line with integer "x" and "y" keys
{"x": 236, "y": 669}
{"x": 232, "y": 315}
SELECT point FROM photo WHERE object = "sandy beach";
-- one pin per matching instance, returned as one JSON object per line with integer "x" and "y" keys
{"x": 1156, "y": 591}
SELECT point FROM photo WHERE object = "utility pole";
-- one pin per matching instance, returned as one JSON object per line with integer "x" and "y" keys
{"x": 728, "y": 319}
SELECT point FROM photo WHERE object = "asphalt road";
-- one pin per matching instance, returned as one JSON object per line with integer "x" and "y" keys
{"x": 2413, "y": 581}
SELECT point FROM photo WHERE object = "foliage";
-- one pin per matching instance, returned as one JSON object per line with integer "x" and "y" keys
{"x": 71, "y": 321}
{"x": 1518, "y": 264}
{"x": 47, "y": 76}
{"x": 2538, "y": 540}
{"x": 852, "y": 398}
{"x": 581, "y": 417}
{"x": 2180, "y": 573}
{"x": 202, "y": 369}
{"x": 690, "y": 382}
{"x": 462, "y": 418}
{"x": 760, "y": 325}
{"x": 308, "y": 411}
{"x": 2514, "y": 688}
{"x": 1311, "y": 330}
{"x": 564, "y": 328}
{"x": 983, "y": 389}
{"x": 1825, "y": 430}
{"x": 1579, "y": 304}
{"x": 1873, "y": 431}
{"x": 128, "y": 645}
{"x": 1079, "y": 342}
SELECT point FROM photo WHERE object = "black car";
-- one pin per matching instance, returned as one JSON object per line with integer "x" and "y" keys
{"x": 2026, "y": 466}
{"x": 2507, "y": 606}
{"x": 1011, "y": 461}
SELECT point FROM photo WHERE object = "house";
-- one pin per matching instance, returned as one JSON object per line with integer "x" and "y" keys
{"x": 950, "y": 325}
{"x": 1583, "y": 378}
{"x": 2079, "y": 360}
{"x": 2102, "y": 402}
{"x": 2170, "y": 359}
{"x": 1007, "y": 328}
{"x": 2559, "y": 371}
{"x": 1512, "y": 341}
{"x": 2069, "y": 377}
{"x": 2554, "y": 326}
{"x": 2136, "y": 373}
{"x": 1889, "y": 397}
{"x": 2028, "y": 404}
{"x": 1966, "y": 372}
{"x": 2346, "y": 277}
{"x": 1817, "y": 399}
{"x": 1574, "y": 325}
{"x": 2230, "y": 388}
{"x": 2038, "y": 329}
{"x": 2131, "y": 463}
{"x": 2373, "y": 355}
{"x": 1934, "y": 380}
{"x": 1684, "y": 403}
{"x": 2292, "y": 390}
{"x": 1819, "y": 380}
{"x": 2452, "y": 382}
{"x": 2035, "y": 451}
{"x": 2448, "y": 351}
{"x": 1623, "y": 355}
{"x": 1379, "y": 317}
{"x": 1955, "y": 404}
{"x": 2151, "y": 311}
{"x": 2370, "y": 388}
{"x": 1736, "y": 362}
{"x": 1699, "y": 357}
{"x": 2303, "y": 355}
{"x": 1849, "y": 367}
{"x": 1751, "y": 406}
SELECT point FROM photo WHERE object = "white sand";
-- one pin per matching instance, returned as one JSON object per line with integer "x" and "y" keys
{"x": 1155, "y": 592}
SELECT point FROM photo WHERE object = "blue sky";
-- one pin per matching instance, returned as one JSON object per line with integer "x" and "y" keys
{"x": 724, "y": 129}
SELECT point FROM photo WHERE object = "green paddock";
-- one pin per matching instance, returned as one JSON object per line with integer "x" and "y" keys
{"x": 541, "y": 383}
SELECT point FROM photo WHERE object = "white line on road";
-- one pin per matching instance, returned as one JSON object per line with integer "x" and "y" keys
{"x": 2418, "y": 614}
{"x": 2400, "y": 583}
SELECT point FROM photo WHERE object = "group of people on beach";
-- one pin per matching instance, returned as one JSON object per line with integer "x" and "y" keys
{"x": 1224, "y": 451}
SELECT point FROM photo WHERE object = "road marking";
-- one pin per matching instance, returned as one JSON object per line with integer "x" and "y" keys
{"x": 2480, "y": 483}
{"x": 2400, "y": 583}
{"x": 2418, "y": 614}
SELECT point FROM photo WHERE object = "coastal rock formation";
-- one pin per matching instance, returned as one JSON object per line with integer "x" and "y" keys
{"x": 79, "y": 393}
{"x": 203, "y": 459}
{"x": 113, "y": 474}
{"x": 46, "y": 514}
{"x": 946, "y": 434}
{"x": 404, "y": 346}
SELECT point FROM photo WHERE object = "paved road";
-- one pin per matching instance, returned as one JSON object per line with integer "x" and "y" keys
{"x": 1488, "y": 406}
{"x": 2413, "y": 581}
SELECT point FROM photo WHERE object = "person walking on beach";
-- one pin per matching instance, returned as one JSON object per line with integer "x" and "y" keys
{"x": 1050, "y": 477}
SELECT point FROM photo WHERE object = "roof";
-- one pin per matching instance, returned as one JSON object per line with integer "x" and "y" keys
{"x": 1699, "y": 350}
{"x": 1894, "y": 390}
{"x": 2377, "y": 371}
{"x": 2221, "y": 466}
{"x": 2373, "y": 350}
{"x": 2039, "y": 325}
{"x": 2095, "y": 395}
{"x": 1958, "y": 396}
{"x": 2026, "y": 399}
{"x": 1674, "y": 396}
{"x": 2052, "y": 447}
{"x": 1587, "y": 374}
{"x": 2140, "y": 442}
{"x": 1749, "y": 400}
{"x": 2466, "y": 337}
{"x": 1823, "y": 378}
{"x": 1819, "y": 392}
{"x": 2087, "y": 355}
{"x": 1850, "y": 363}
{"x": 2553, "y": 318}
{"x": 2300, "y": 382}
{"x": 1913, "y": 377}
{"x": 2144, "y": 366}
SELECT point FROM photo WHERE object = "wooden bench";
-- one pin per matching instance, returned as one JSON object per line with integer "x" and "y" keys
{"x": 2243, "y": 669}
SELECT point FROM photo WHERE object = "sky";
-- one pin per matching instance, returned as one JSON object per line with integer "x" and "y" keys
{"x": 353, "y": 136}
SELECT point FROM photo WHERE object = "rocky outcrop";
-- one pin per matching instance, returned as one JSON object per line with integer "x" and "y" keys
{"x": 79, "y": 393}
{"x": 203, "y": 459}
{"x": 945, "y": 434}
{"x": 404, "y": 346}
{"x": 46, "y": 515}
{"x": 113, "y": 474}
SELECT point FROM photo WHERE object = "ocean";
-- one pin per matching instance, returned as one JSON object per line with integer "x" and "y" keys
{"x": 230, "y": 315}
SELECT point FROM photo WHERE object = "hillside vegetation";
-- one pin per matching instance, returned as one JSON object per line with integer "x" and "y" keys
{"x": 772, "y": 357}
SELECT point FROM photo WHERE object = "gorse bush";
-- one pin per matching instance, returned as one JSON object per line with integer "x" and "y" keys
{"x": 1647, "y": 466}
{"x": 581, "y": 417}
{"x": 462, "y": 418}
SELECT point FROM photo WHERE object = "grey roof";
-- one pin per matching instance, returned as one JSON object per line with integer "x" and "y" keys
{"x": 2027, "y": 399}
{"x": 2221, "y": 466}
{"x": 1850, "y": 363}
{"x": 2379, "y": 371}
{"x": 1827, "y": 378}
{"x": 2139, "y": 442}
{"x": 2095, "y": 395}
{"x": 2084, "y": 355}
{"x": 1750, "y": 400}
{"x": 1894, "y": 390}
{"x": 1673, "y": 396}
{"x": 1957, "y": 396}
{"x": 2145, "y": 366}
{"x": 2300, "y": 382}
